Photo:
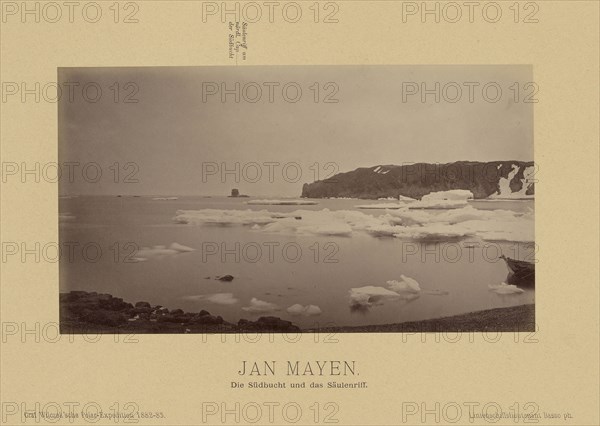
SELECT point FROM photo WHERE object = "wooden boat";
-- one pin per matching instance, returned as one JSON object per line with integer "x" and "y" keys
{"x": 521, "y": 270}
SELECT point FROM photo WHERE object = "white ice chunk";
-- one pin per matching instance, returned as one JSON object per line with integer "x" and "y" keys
{"x": 452, "y": 199}
{"x": 370, "y": 295}
{"x": 381, "y": 206}
{"x": 406, "y": 284}
{"x": 454, "y": 194}
{"x": 309, "y": 310}
{"x": 260, "y": 306}
{"x": 217, "y": 298}
{"x": 226, "y": 217}
{"x": 159, "y": 251}
{"x": 180, "y": 248}
{"x": 504, "y": 288}
{"x": 420, "y": 224}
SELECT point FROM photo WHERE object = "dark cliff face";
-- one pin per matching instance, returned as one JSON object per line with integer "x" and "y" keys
{"x": 416, "y": 180}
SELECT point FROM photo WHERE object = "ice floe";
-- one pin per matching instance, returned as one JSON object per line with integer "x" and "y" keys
{"x": 405, "y": 285}
{"x": 217, "y": 298}
{"x": 260, "y": 306}
{"x": 382, "y": 206}
{"x": 160, "y": 251}
{"x": 308, "y": 310}
{"x": 371, "y": 295}
{"x": 227, "y": 217}
{"x": 406, "y": 223}
{"x": 453, "y": 199}
{"x": 504, "y": 288}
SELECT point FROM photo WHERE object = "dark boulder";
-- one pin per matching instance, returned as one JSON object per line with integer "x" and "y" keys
{"x": 208, "y": 320}
{"x": 268, "y": 324}
{"x": 225, "y": 278}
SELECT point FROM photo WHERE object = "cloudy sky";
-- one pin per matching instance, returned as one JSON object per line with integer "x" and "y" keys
{"x": 181, "y": 137}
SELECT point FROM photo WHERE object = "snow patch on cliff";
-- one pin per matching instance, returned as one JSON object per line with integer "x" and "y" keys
{"x": 504, "y": 191}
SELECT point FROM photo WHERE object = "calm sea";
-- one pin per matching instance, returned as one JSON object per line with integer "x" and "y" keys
{"x": 278, "y": 269}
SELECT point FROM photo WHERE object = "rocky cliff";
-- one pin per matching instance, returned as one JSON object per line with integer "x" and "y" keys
{"x": 495, "y": 179}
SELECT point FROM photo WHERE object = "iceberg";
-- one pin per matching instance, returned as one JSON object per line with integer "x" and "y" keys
{"x": 381, "y": 206}
{"x": 405, "y": 285}
{"x": 452, "y": 199}
{"x": 405, "y": 222}
{"x": 226, "y": 217}
{"x": 160, "y": 251}
{"x": 260, "y": 306}
{"x": 308, "y": 310}
{"x": 504, "y": 288}
{"x": 217, "y": 298}
{"x": 371, "y": 295}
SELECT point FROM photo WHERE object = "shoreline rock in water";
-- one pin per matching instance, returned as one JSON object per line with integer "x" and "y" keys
{"x": 82, "y": 312}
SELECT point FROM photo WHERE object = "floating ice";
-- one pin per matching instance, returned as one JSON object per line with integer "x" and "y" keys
{"x": 371, "y": 295}
{"x": 405, "y": 285}
{"x": 227, "y": 217}
{"x": 452, "y": 199}
{"x": 308, "y": 310}
{"x": 454, "y": 194}
{"x": 490, "y": 225}
{"x": 406, "y": 223}
{"x": 403, "y": 198}
{"x": 433, "y": 232}
{"x": 217, "y": 298}
{"x": 381, "y": 206}
{"x": 282, "y": 202}
{"x": 160, "y": 251}
{"x": 180, "y": 248}
{"x": 260, "y": 306}
{"x": 504, "y": 288}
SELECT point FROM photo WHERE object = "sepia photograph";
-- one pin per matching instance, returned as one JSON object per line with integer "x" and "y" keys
{"x": 299, "y": 213}
{"x": 297, "y": 199}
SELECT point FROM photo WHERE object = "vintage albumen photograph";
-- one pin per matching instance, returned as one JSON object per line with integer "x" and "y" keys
{"x": 297, "y": 199}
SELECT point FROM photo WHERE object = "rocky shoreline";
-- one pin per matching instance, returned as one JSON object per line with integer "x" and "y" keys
{"x": 91, "y": 312}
